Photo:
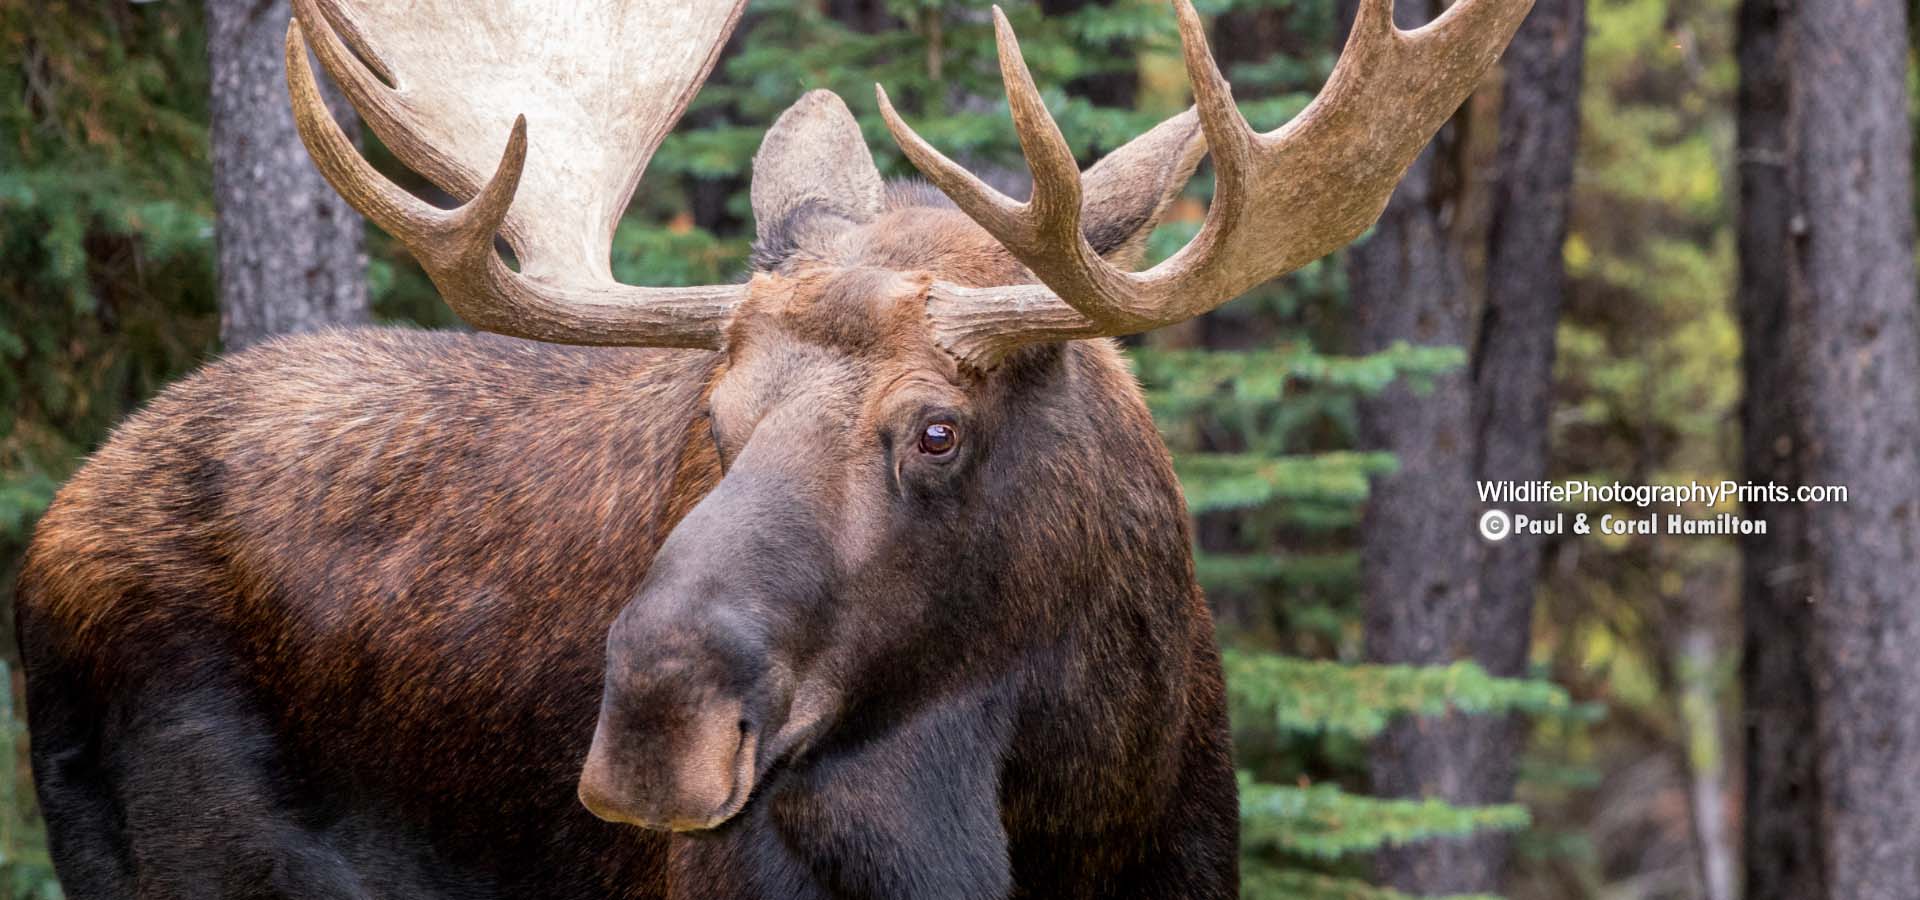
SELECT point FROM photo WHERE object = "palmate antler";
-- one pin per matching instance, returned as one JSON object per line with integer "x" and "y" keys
{"x": 586, "y": 89}
{"x": 1281, "y": 199}
{"x": 581, "y": 92}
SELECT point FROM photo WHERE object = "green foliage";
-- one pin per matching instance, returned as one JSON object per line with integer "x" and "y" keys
{"x": 1261, "y": 376}
{"x": 1326, "y": 822}
{"x": 644, "y": 254}
{"x": 105, "y": 229}
{"x": 1357, "y": 700}
{"x": 1327, "y": 571}
{"x": 938, "y": 62}
{"x": 1261, "y": 880}
{"x": 1222, "y": 481}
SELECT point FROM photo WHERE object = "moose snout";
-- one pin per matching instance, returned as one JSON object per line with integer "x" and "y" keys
{"x": 687, "y": 700}
{"x": 693, "y": 771}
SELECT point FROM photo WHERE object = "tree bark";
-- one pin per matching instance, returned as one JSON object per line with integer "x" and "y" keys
{"x": 289, "y": 249}
{"x": 1420, "y": 559}
{"x": 1532, "y": 194}
{"x": 1846, "y": 194}
{"x": 1781, "y": 834}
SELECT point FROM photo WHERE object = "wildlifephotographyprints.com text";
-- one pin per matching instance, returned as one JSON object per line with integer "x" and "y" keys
{"x": 1696, "y": 508}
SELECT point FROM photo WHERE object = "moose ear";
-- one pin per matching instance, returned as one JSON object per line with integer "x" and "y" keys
{"x": 813, "y": 175}
{"x": 1126, "y": 193}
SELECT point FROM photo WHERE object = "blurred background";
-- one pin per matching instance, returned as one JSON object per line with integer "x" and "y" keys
{"x": 1555, "y": 292}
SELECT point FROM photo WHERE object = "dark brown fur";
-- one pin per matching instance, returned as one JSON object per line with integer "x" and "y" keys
{"x": 330, "y": 618}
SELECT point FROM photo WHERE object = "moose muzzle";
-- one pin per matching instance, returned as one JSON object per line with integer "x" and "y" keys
{"x": 683, "y": 768}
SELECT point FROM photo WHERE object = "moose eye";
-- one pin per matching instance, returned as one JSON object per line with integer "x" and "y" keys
{"x": 939, "y": 438}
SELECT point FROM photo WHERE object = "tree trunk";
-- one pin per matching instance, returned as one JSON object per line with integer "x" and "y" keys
{"x": 1513, "y": 358}
{"x": 289, "y": 248}
{"x": 1420, "y": 559}
{"x": 1780, "y": 833}
{"x": 1694, "y": 664}
{"x": 1849, "y": 239}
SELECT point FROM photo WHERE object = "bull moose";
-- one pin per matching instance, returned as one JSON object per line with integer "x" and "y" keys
{"x": 865, "y": 577}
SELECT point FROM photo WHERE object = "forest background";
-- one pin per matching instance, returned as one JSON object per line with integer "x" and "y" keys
{"x": 1559, "y": 290}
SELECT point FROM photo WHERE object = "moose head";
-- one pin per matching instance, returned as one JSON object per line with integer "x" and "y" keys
{"x": 926, "y": 460}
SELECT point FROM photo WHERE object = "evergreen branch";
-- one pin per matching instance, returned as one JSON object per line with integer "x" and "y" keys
{"x": 1319, "y": 696}
{"x": 1325, "y": 822}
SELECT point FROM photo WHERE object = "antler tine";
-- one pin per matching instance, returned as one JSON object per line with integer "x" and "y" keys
{"x": 1055, "y": 202}
{"x": 378, "y": 105}
{"x": 996, "y": 212}
{"x": 1054, "y": 207}
{"x": 1044, "y": 232}
{"x": 435, "y": 117}
{"x": 386, "y": 110}
{"x": 1230, "y": 140}
{"x": 1281, "y": 200}
{"x": 446, "y": 235}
